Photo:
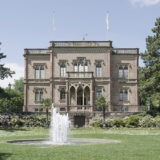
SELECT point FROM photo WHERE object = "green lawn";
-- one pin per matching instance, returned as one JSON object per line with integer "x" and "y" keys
{"x": 136, "y": 144}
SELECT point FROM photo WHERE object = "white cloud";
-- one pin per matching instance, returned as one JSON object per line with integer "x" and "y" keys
{"x": 143, "y": 3}
{"x": 19, "y": 72}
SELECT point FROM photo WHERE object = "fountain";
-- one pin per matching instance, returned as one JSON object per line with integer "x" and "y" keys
{"x": 59, "y": 127}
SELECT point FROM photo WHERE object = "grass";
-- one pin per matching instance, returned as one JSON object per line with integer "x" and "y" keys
{"x": 136, "y": 144}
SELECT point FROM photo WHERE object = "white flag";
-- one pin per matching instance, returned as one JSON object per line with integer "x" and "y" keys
{"x": 54, "y": 24}
{"x": 107, "y": 21}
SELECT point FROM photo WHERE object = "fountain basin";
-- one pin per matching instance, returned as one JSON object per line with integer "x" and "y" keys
{"x": 71, "y": 141}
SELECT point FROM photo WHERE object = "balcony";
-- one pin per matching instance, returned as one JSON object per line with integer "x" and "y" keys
{"x": 80, "y": 74}
{"x": 125, "y": 51}
{"x": 81, "y": 44}
{"x": 80, "y": 108}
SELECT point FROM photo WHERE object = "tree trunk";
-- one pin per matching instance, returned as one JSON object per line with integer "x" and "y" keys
{"x": 104, "y": 113}
{"x": 47, "y": 117}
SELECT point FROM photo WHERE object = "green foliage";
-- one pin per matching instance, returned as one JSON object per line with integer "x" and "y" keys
{"x": 14, "y": 101}
{"x": 118, "y": 122}
{"x": 102, "y": 103}
{"x": 19, "y": 85}
{"x": 46, "y": 104}
{"x": 19, "y": 120}
{"x": 4, "y": 71}
{"x": 149, "y": 76}
{"x": 132, "y": 121}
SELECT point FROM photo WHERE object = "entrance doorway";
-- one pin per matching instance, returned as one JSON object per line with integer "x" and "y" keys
{"x": 79, "y": 121}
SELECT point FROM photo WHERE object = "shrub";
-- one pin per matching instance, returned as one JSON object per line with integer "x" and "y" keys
{"x": 132, "y": 121}
{"x": 118, "y": 122}
{"x": 96, "y": 121}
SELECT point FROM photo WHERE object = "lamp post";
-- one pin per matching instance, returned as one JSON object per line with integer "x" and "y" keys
{"x": 9, "y": 87}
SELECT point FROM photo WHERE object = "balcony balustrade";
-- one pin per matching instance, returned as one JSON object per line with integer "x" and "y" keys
{"x": 80, "y": 108}
{"x": 125, "y": 51}
{"x": 80, "y": 74}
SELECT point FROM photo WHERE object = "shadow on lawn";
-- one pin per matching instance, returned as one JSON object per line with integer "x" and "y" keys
{"x": 4, "y": 156}
{"x": 13, "y": 130}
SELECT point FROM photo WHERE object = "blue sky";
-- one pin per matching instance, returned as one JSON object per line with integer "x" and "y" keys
{"x": 29, "y": 24}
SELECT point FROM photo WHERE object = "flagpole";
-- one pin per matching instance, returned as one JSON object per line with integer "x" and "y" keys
{"x": 54, "y": 26}
{"x": 107, "y": 26}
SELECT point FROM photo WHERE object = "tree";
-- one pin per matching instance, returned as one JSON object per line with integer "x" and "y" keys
{"x": 4, "y": 71}
{"x": 46, "y": 104}
{"x": 149, "y": 76}
{"x": 19, "y": 85}
{"x": 102, "y": 103}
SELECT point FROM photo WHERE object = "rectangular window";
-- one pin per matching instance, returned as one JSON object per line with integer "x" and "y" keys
{"x": 75, "y": 68}
{"x": 41, "y": 95}
{"x": 123, "y": 71}
{"x": 62, "y": 94}
{"x": 98, "y": 93}
{"x": 36, "y": 96}
{"x": 42, "y": 72}
{"x": 63, "y": 71}
{"x": 99, "y": 71}
{"x": 37, "y": 72}
{"x": 120, "y": 73}
{"x": 124, "y": 95}
{"x": 86, "y": 68}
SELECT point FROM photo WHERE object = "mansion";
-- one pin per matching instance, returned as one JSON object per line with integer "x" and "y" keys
{"x": 73, "y": 74}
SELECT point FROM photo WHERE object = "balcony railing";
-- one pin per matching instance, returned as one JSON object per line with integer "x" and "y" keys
{"x": 80, "y": 108}
{"x": 80, "y": 43}
{"x": 38, "y": 51}
{"x": 125, "y": 51}
{"x": 80, "y": 74}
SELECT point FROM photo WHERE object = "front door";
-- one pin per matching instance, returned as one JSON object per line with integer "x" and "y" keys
{"x": 79, "y": 121}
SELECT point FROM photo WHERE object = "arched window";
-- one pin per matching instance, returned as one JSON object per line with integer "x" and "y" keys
{"x": 63, "y": 70}
{"x": 62, "y": 94}
{"x": 98, "y": 70}
{"x": 42, "y": 72}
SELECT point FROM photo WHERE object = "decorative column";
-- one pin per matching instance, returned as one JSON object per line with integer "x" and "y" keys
{"x": 92, "y": 95}
{"x": 76, "y": 96}
{"x": 67, "y": 95}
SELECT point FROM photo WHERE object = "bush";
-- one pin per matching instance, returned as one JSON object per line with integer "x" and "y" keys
{"x": 118, "y": 122}
{"x": 132, "y": 121}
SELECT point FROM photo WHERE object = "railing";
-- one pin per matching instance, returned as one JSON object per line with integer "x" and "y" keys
{"x": 80, "y": 43}
{"x": 80, "y": 108}
{"x": 38, "y": 51}
{"x": 80, "y": 74}
{"x": 127, "y": 108}
{"x": 125, "y": 51}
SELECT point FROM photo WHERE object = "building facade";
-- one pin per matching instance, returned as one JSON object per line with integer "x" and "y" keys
{"x": 75, "y": 73}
